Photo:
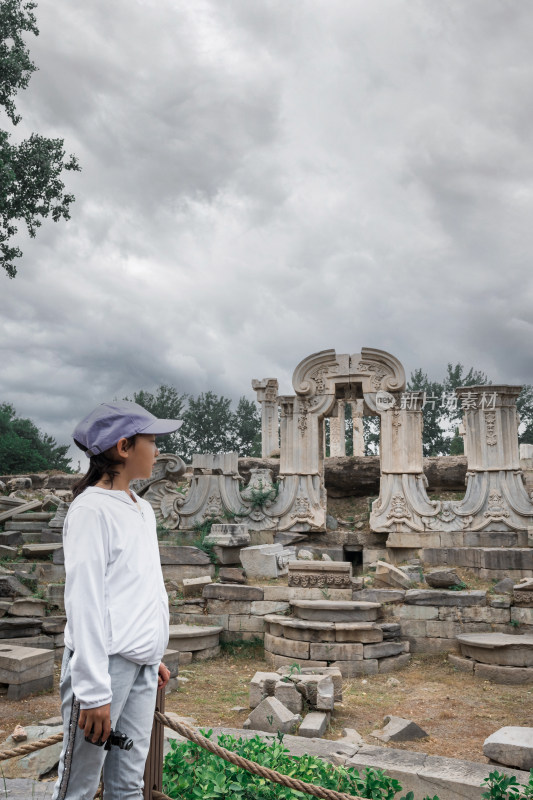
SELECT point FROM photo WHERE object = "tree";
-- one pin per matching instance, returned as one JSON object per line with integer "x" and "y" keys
{"x": 31, "y": 187}
{"x": 208, "y": 426}
{"x": 524, "y": 405}
{"x": 247, "y": 428}
{"x": 23, "y": 448}
{"x": 166, "y": 403}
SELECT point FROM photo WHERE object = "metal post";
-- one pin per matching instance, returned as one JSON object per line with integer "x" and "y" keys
{"x": 153, "y": 771}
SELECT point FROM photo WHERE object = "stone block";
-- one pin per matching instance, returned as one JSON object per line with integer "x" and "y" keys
{"x": 272, "y": 716}
{"x": 461, "y": 664}
{"x": 192, "y": 638}
{"x": 380, "y": 595}
{"x": 10, "y": 538}
{"x": 229, "y": 606}
{"x": 17, "y": 691}
{"x": 442, "y": 578}
{"x": 299, "y": 629}
{"x": 499, "y": 601}
{"x": 498, "y": 648}
{"x": 35, "y": 551}
{"x": 11, "y": 627}
{"x": 512, "y": 746}
{"x": 182, "y": 554}
{"x": 22, "y": 664}
{"x": 193, "y": 587}
{"x": 286, "y": 647}
{"x": 206, "y": 653}
{"x": 171, "y": 659}
{"x": 184, "y": 658}
{"x": 424, "y": 644}
{"x": 296, "y": 593}
{"x": 288, "y": 694}
{"x": 352, "y": 669}
{"x": 274, "y": 660}
{"x": 389, "y": 575}
{"x": 358, "y": 632}
{"x": 228, "y": 534}
{"x": 11, "y": 587}
{"x": 227, "y": 591}
{"x": 413, "y": 627}
{"x": 262, "y": 685}
{"x": 392, "y": 663}
{"x": 55, "y": 593}
{"x": 7, "y": 552}
{"x": 265, "y": 537}
{"x": 232, "y": 575}
{"x": 336, "y": 652}
{"x": 320, "y": 574}
{"x": 276, "y": 593}
{"x": 178, "y": 572}
{"x": 516, "y": 676}
{"x": 28, "y": 607}
{"x": 246, "y": 622}
{"x": 262, "y": 607}
{"x": 263, "y": 561}
{"x": 390, "y": 630}
{"x": 314, "y": 725}
{"x": 325, "y": 694}
{"x": 429, "y": 597}
{"x": 227, "y": 556}
{"x": 331, "y": 611}
{"x": 475, "y": 614}
{"x": 398, "y": 729}
{"x": 522, "y": 615}
{"x": 383, "y": 649}
{"x": 420, "y": 612}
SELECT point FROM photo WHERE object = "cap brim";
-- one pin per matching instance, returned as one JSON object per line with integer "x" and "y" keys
{"x": 162, "y": 426}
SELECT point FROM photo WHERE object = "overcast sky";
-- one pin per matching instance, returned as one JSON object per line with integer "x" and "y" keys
{"x": 262, "y": 180}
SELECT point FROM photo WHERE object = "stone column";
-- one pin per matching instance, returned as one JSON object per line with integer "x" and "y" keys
{"x": 495, "y": 498}
{"x": 357, "y": 424}
{"x": 267, "y": 397}
{"x": 337, "y": 431}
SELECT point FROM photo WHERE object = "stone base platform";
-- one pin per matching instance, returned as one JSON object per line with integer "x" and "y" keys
{"x": 200, "y": 641}
{"x": 497, "y": 657}
{"x": 487, "y": 562}
{"x": 334, "y": 634}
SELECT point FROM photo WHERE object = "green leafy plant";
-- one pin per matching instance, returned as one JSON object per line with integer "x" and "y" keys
{"x": 191, "y": 773}
{"x": 260, "y": 495}
{"x": 458, "y": 587}
{"x": 515, "y": 623}
{"x": 505, "y": 787}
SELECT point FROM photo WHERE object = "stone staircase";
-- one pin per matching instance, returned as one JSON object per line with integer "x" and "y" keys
{"x": 345, "y": 635}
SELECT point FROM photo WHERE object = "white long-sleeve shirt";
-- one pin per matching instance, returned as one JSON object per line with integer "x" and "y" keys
{"x": 115, "y": 597}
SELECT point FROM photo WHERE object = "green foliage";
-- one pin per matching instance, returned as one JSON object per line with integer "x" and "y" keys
{"x": 503, "y": 787}
{"x": 24, "y": 448}
{"x": 31, "y": 188}
{"x": 524, "y": 405}
{"x": 457, "y": 447}
{"x": 191, "y": 773}
{"x": 247, "y": 650}
{"x": 258, "y": 496}
{"x": 209, "y": 423}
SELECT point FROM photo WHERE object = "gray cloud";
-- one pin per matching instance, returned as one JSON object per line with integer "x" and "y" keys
{"x": 263, "y": 180}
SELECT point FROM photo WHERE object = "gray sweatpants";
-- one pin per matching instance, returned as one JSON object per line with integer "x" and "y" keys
{"x": 134, "y": 689}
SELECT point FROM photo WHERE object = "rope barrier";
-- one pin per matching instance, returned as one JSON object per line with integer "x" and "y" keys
{"x": 197, "y": 738}
{"x": 250, "y": 766}
{"x": 31, "y": 747}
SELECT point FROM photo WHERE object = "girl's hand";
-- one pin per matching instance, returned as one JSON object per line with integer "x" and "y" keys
{"x": 163, "y": 676}
{"x": 97, "y": 721}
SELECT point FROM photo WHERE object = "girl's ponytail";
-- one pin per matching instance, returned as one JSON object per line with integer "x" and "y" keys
{"x": 100, "y": 466}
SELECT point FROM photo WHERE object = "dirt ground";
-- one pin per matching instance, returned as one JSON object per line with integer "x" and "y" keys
{"x": 457, "y": 711}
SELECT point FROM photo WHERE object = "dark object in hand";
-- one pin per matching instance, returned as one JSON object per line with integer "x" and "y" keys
{"x": 115, "y": 739}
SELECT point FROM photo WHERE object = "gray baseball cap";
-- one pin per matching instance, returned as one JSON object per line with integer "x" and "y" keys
{"x": 113, "y": 421}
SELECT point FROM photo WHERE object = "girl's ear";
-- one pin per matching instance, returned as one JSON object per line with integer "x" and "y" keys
{"x": 122, "y": 447}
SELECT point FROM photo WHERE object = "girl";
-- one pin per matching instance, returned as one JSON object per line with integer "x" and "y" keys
{"x": 116, "y": 606}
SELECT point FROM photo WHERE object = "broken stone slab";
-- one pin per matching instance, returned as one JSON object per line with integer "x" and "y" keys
{"x": 314, "y": 725}
{"x": 272, "y": 716}
{"x": 389, "y": 575}
{"x": 229, "y": 535}
{"x": 398, "y": 729}
{"x": 442, "y": 578}
{"x": 22, "y": 665}
{"x": 512, "y": 746}
{"x": 429, "y": 597}
{"x": 287, "y": 693}
{"x": 380, "y": 595}
{"x": 505, "y": 586}
{"x": 28, "y": 607}
{"x": 262, "y": 685}
{"x": 11, "y": 587}
{"x": 193, "y": 587}
{"x": 19, "y": 509}
{"x": 392, "y": 663}
{"x": 38, "y": 763}
{"x": 315, "y": 673}
{"x": 336, "y": 611}
{"x": 263, "y": 561}
{"x": 225, "y": 591}
{"x": 7, "y": 552}
{"x": 41, "y": 550}
{"x": 390, "y": 630}
{"x": 502, "y": 649}
{"x": 351, "y": 736}
{"x": 10, "y": 538}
